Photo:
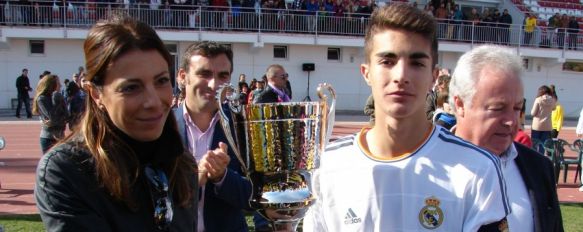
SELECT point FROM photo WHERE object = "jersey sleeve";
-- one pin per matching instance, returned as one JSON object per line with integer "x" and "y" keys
{"x": 314, "y": 220}
{"x": 487, "y": 199}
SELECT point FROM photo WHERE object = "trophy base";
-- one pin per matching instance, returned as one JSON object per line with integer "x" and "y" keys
{"x": 287, "y": 226}
{"x": 283, "y": 219}
{"x": 282, "y": 198}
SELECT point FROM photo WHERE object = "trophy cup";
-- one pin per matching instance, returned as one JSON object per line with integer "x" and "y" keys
{"x": 278, "y": 146}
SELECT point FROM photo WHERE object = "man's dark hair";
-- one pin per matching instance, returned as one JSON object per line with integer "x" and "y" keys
{"x": 208, "y": 49}
{"x": 401, "y": 16}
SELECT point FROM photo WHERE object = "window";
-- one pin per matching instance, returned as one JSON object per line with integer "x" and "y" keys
{"x": 37, "y": 47}
{"x": 280, "y": 52}
{"x": 526, "y": 64}
{"x": 172, "y": 48}
{"x": 334, "y": 54}
{"x": 573, "y": 66}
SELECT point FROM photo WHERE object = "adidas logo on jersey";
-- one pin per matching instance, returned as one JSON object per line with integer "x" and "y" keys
{"x": 351, "y": 217}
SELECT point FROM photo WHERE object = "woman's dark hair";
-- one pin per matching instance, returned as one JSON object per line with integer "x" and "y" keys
{"x": 544, "y": 90}
{"x": 116, "y": 165}
{"x": 46, "y": 86}
{"x": 554, "y": 92}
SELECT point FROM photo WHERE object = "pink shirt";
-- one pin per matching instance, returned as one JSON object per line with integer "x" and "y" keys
{"x": 199, "y": 144}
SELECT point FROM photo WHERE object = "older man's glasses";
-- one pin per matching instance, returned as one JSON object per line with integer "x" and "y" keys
{"x": 162, "y": 199}
{"x": 283, "y": 76}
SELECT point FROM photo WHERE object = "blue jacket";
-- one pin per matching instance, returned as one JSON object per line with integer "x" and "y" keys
{"x": 223, "y": 207}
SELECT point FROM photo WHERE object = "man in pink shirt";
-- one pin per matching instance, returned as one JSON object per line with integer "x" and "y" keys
{"x": 225, "y": 191}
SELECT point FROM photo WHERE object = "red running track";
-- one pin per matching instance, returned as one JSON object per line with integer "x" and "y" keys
{"x": 22, "y": 152}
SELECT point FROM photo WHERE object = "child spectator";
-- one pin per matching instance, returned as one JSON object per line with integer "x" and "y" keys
{"x": 443, "y": 114}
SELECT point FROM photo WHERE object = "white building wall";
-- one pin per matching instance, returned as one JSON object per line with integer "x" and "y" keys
{"x": 568, "y": 85}
{"x": 541, "y": 71}
{"x": 64, "y": 56}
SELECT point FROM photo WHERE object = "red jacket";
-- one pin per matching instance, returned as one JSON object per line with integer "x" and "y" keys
{"x": 523, "y": 138}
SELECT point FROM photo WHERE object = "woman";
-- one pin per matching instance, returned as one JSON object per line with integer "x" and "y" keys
{"x": 50, "y": 105}
{"x": 124, "y": 168}
{"x": 76, "y": 102}
{"x": 544, "y": 104}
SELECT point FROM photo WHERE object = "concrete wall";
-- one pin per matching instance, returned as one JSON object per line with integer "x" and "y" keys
{"x": 63, "y": 56}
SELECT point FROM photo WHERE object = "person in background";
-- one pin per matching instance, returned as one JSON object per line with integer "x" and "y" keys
{"x": 579, "y": 133}
{"x": 579, "y": 128}
{"x": 276, "y": 86}
{"x": 573, "y": 30}
{"x": 259, "y": 87}
{"x": 252, "y": 85}
{"x": 178, "y": 98}
{"x": 431, "y": 98}
{"x": 76, "y": 98}
{"x": 521, "y": 136}
{"x": 369, "y": 109}
{"x": 529, "y": 26}
{"x": 125, "y": 168}
{"x": 541, "y": 111}
{"x": 50, "y": 105}
{"x": 556, "y": 115}
{"x": 64, "y": 88}
{"x": 506, "y": 22}
{"x": 46, "y": 72}
{"x": 80, "y": 73}
{"x": 553, "y": 24}
{"x": 288, "y": 88}
{"x": 444, "y": 115}
{"x": 243, "y": 93}
{"x": 487, "y": 93}
{"x": 242, "y": 79}
{"x": 23, "y": 87}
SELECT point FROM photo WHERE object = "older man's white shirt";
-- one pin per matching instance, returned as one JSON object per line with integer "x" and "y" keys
{"x": 521, "y": 218}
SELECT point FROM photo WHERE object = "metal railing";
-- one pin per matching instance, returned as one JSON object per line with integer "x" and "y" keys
{"x": 276, "y": 21}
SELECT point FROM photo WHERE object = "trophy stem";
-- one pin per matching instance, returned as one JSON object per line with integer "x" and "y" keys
{"x": 290, "y": 226}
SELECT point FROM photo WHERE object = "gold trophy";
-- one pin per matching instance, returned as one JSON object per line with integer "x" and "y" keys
{"x": 278, "y": 146}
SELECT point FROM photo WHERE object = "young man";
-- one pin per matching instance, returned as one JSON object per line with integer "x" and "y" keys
{"x": 22, "y": 88}
{"x": 488, "y": 115}
{"x": 404, "y": 174}
{"x": 205, "y": 66}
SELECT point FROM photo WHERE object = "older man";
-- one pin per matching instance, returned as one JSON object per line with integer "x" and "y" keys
{"x": 487, "y": 93}
{"x": 276, "y": 86}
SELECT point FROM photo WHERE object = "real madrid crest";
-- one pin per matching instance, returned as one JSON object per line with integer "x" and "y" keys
{"x": 431, "y": 216}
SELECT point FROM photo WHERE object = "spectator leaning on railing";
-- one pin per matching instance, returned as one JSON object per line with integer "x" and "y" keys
{"x": 554, "y": 23}
{"x": 529, "y": 26}
{"x": 573, "y": 31}
{"x": 505, "y": 20}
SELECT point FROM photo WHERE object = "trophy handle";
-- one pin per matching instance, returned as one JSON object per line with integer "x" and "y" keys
{"x": 330, "y": 116}
{"x": 235, "y": 108}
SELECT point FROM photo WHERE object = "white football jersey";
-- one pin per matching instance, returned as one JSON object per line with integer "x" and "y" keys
{"x": 446, "y": 184}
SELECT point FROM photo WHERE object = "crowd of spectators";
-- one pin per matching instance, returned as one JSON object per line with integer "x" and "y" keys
{"x": 347, "y": 17}
{"x": 561, "y": 29}
{"x": 489, "y": 26}
{"x": 178, "y": 13}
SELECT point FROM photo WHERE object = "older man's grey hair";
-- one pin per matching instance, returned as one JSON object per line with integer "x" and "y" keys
{"x": 468, "y": 68}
